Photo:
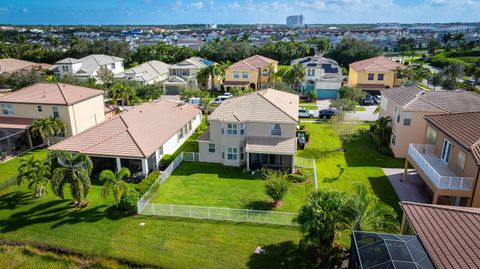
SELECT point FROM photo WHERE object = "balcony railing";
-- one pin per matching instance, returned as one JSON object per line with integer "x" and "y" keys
{"x": 436, "y": 171}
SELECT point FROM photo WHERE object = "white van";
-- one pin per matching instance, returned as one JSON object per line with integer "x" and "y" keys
{"x": 220, "y": 99}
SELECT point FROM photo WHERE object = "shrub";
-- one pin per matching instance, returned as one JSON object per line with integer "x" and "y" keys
{"x": 166, "y": 160}
{"x": 276, "y": 185}
{"x": 129, "y": 200}
{"x": 296, "y": 178}
{"x": 146, "y": 183}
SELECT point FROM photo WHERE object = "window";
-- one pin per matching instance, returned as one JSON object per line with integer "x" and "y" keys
{"x": 223, "y": 152}
{"x": 39, "y": 108}
{"x": 394, "y": 138}
{"x": 265, "y": 72}
{"x": 185, "y": 72}
{"x": 242, "y": 154}
{"x": 189, "y": 126}
{"x": 276, "y": 130}
{"x": 407, "y": 118}
{"x": 431, "y": 135}
{"x": 311, "y": 72}
{"x": 180, "y": 134}
{"x": 232, "y": 129}
{"x": 236, "y": 74}
{"x": 397, "y": 114}
{"x": 160, "y": 150}
{"x": 232, "y": 154}
{"x": 59, "y": 133}
{"x": 7, "y": 109}
{"x": 65, "y": 68}
{"x": 244, "y": 74}
{"x": 56, "y": 114}
{"x": 223, "y": 130}
{"x": 173, "y": 72}
{"x": 242, "y": 128}
{"x": 211, "y": 148}
{"x": 447, "y": 147}
{"x": 461, "y": 161}
{"x": 371, "y": 76}
{"x": 380, "y": 76}
{"x": 112, "y": 66}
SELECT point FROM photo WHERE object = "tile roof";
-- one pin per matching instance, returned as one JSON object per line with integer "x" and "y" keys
{"x": 134, "y": 133}
{"x": 254, "y": 62}
{"x": 148, "y": 71}
{"x": 192, "y": 63}
{"x": 450, "y": 234}
{"x": 262, "y": 106}
{"x": 464, "y": 128}
{"x": 15, "y": 123}
{"x": 90, "y": 63}
{"x": 376, "y": 64}
{"x": 276, "y": 145}
{"x": 10, "y": 65}
{"x": 51, "y": 93}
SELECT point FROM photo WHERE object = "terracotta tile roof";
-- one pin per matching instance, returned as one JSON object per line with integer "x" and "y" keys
{"x": 254, "y": 62}
{"x": 51, "y": 93}
{"x": 262, "y": 106}
{"x": 15, "y": 123}
{"x": 276, "y": 145}
{"x": 450, "y": 234}
{"x": 134, "y": 133}
{"x": 11, "y": 65}
{"x": 376, "y": 64}
{"x": 464, "y": 128}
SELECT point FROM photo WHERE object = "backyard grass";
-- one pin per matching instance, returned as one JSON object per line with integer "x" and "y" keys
{"x": 8, "y": 169}
{"x": 309, "y": 107}
{"x": 359, "y": 108}
{"x": 206, "y": 184}
{"x": 302, "y": 103}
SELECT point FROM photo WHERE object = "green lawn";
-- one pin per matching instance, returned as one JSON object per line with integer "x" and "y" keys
{"x": 359, "y": 108}
{"x": 206, "y": 184}
{"x": 302, "y": 103}
{"x": 8, "y": 169}
{"x": 309, "y": 107}
{"x": 360, "y": 162}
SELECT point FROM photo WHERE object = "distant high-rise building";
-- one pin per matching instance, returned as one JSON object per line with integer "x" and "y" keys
{"x": 295, "y": 21}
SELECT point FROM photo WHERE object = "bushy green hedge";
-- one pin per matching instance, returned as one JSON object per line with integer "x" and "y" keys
{"x": 462, "y": 53}
{"x": 441, "y": 62}
{"x": 166, "y": 160}
{"x": 129, "y": 200}
{"x": 296, "y": 178}
{"x": 143, "y": 186}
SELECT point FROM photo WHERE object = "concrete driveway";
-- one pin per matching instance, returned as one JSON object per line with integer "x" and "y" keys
{"x": 413, "y": 189}
{"x": 366, "y": 115}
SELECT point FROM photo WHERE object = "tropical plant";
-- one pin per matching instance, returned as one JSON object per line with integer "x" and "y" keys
{"x": 382, "y": 132}
{"x": 46, "y": 127}
{"x": 368, "y": 214}
{"x": 105, "y": 76}
{"x": 458, "y": 38}
{"x": 433, "y": 45}
{"x": 294, "y": 76}
{"x": 205, "y": 74}
{"x": 446, "y": 40}
{"x": 122, "y": 92}
{"x": 149, "y": 92}
{"x": 36, "y": 173}
{"x": 324, "y": 216}
{"x": 450, "y": 75}
{"x": 74, "y": 169}
{"x": 436, "y": 80}
{"x": 276, "y": 185}
{"x": 207, "y": 106}
{"x": 113, "y": 182}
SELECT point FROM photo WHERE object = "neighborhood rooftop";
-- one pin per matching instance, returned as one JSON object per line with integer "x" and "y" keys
{"x": 376, "y": 64}
{"x": 90, "y": 63}
{"x": 10, "y": 65}
{"x": 451, "y": 235}
{"x": 135, "y": 133}
{"x": 464, "y": 128}
{"x": 262, "y": 106}
{"x": 149, "y": 71}
{"x": 415, "y": 98}
{"x": 51, "y": 93}
{"x": 254, "y": 62}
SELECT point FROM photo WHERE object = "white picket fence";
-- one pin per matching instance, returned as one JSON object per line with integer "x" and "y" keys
{"x": 308, "y": 164}
{"x": 218, "y": 213}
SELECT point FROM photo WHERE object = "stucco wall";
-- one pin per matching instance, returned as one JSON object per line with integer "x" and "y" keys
{"x": 86, "y": 114}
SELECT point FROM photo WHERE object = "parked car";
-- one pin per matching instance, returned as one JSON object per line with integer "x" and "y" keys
{"x": 327, "y": 113}
{"x": 368, "y": 100}
{"x": 220, "y": 99}
{"x": 470, "y": 82}
{"x": 304, "y": 113}
{"x": 377, "y": 99}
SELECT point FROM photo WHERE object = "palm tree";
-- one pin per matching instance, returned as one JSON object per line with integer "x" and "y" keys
{"x": 123, "y": 92}
{"x": 54, "y": 41}
{"x": 36, "y": 172}
{"x": 207, "y": 105}
{"x": 114, "y": 182}
{"x": 458, "y": 38}
{"x": 296, "y": 75}
{"x": 446, "y": 39}
{"x": 205, "y": 74}
{"x": 436, "y": 80}
{"x": 75, "y": 170}
{"x": 46, "y": 127}
{"x": 368, "y": 214}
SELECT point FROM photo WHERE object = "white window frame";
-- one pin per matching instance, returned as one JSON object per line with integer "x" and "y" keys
{"x": 368, "y": 76}
{"x": 242, "y": 128}
{"x": 39, "y": 109}
{"x": 55, "y": 110}
{"x": 236, "y": 74}
{"x": 407, "y": 118}
{"x": 232, "y": 129}
{"x": 276, "y": 131}
{"x": 223, "y": 152}
{"x": 244, "y": 74}
{"x": 397, "y": 114}
{"x": 446, "y": 150}
{"x": 210, "y": 148}
{"x": 7, "y": 109}
{"x": 232, "y": 153}
{"x": 393, "y": 139}
{"x": 242, "y": 153}
{"x": 378, "y": 77}
{"x": 311, "y": 72}
{"x": 461, "y": 158}
{"x": 65, "y": 68}
{"x": 59, "y": 134}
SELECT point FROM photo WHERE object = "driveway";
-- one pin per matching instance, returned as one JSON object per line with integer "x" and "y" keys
{"x": 366, "y": 115}
{"x": 413, "y": 189}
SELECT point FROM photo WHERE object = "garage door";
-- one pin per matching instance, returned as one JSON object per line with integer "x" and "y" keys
{"x": 172, "y": 90}
{"x": 326, "y": 94}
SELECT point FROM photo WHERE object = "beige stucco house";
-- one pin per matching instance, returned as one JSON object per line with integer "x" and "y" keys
{"x": 252, "y": 72}
{"x": 448, "y": 158}
{"x": 78, "y": 107}
{"x": 377, "y": 73}
{"x": 256, "y": 129}
{"x": 407, "y": 106}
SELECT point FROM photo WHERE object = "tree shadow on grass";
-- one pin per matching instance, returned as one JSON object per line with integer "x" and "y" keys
{"x": 15, "y": 199}
{"x": 283, "y": 255}
{"x": 259, "y": 205}
{"x": 341, "y": 170}
{"x": 383, "y": 189}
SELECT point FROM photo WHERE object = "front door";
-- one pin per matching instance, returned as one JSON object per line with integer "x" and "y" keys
{"x": 447, "y": 146}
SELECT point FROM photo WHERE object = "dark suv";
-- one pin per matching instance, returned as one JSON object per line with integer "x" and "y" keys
{"x": 327, "y": 113}
{"x": 368, "y": 100}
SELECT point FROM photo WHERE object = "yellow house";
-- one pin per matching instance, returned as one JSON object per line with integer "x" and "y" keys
{"x": 78, "y": 107}
{"x": 375, "y": 73}
{"x": 252, "y": 72}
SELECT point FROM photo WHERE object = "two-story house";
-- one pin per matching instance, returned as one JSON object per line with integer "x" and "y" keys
{"x": 448, "y": 160}
{"x": 88, "y": 66}
{"x": 375, "y": 74}
{"x": 253, "y": 72}
{"x": 407, "y": 106}
{"x": 323, "y": 77}
{"x": 78, "y": 107}
{"x": 148, "y": 73}
{"x": 255, "y": 130}
{"x": 184, "y": 75}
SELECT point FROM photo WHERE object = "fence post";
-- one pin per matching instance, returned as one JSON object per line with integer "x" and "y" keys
{"x": 209, "y": 213}
{"x": 315, "y": 174}
{"x": 248, "y": 211}
{"x": 153, "y": 209}
{"x": 190, "y": 208}
{"x": 171, "y": 210}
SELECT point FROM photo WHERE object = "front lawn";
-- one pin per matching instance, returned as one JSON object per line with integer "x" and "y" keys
{"x": 206, "y": 184}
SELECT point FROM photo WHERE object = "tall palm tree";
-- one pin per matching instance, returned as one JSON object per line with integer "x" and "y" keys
{"x": 368, "y": 214}
{"x": 458, "y": 38}
{"x": 46, "y": 127}
{"x": 436, "y": 80}
{"x": 296, "y": 75}
{"x": 446, "y": 39}
{"x": 113, "y": 181}
{"x": 36, "y": 172}
{"x": 205, "y": 74}
{"x": 207, "y": 105}
{"x": 122, "y": 92}
{"x": 74, "y": 170}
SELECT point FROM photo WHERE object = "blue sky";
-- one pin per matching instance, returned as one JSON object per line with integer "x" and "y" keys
{"x": 234, "y": 11}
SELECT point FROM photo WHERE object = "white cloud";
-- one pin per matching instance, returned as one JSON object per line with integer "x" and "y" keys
{"x": 196, "y": 5}
{"x": 437, "y": 3}
{"x": 233, "y": 5}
